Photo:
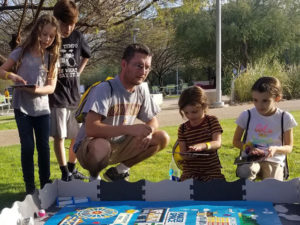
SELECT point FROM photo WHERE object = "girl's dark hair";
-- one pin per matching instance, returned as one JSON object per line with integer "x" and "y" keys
{"x": 34, "y": 37}
{"x": 270, "y": 85}
{"x": 66, "y": 11}
{"x": 192, "y": 96}
{"x": 133, "y": 48}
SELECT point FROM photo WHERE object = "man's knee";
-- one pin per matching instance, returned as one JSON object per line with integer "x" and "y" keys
{"x": 161, "y": 138}
{"x": 98, "y": 149}
{"x": 94, "y": 156}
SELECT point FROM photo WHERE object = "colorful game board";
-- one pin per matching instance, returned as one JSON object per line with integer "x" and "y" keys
{"x": 167, "y": 213}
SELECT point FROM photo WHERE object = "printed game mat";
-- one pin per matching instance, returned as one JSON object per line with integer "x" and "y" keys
{"x": 167, "y": 213}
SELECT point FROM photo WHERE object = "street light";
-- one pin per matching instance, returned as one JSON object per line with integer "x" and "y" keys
{"x": 135, "y": 31}
{"x": 218, "y": 102}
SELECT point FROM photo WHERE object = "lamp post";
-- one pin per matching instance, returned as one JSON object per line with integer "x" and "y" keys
{"x": 135, "y": 31}
{"x": 218, "y": 102}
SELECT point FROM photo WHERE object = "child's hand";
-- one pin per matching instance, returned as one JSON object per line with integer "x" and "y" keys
{"x": 17, "y": 79}
{"x": 257, "y": 152}
{"x": 197, "y": 148}
{"x": 271, "y": 151}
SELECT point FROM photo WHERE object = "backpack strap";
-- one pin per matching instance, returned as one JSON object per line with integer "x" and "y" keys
{"x": 111, "y": 88}
{"x": 246, "y": 130}
{"x": 247, "y": 127}
{"x": 282, "y": 131}
{"x": 286, "y": 172}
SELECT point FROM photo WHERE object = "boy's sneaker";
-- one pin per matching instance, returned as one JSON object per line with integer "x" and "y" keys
{"x": 67, "y": 178}
{"x": 91, "y": 179}
{"x": 112, "y": 175}
{"x": 77, "y": 175}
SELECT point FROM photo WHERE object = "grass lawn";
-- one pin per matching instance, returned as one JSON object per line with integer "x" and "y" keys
{"x": 154, "y": 169}
{"x": 7, "y": 123}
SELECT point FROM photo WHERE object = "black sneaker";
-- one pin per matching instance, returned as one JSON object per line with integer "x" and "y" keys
{"x": 44, "y": 183}
{"x": 112, "y": 175}
{"x": 30, "y": 188}
{"x": 77, "y": 175}
{"x": 67, "y": 178}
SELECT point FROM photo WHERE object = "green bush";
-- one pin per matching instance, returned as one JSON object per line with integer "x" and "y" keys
{"x": 226, "y": 81}
{"x": 245, "y": 81}
{"x": 293, "y": 73}
{"x": 98, "y": 73}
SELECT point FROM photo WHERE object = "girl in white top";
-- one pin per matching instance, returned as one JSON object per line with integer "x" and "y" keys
{"x": 36, "y": 62}
{"x": 264, "y": 137}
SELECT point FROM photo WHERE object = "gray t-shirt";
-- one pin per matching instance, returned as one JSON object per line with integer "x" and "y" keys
{"x": 34, "y": 72}
{"x": 118, "y": 106}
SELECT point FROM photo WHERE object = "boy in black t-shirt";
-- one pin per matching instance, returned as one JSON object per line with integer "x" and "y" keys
{"x": 74, "y": 55}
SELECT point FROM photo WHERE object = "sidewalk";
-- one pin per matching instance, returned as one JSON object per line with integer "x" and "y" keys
{"x": 169, "y": 116}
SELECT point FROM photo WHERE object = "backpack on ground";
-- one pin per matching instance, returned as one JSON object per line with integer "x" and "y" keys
{"x": 79, "y": 115}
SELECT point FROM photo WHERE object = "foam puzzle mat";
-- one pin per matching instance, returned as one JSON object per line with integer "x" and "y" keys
{"x": 167, "y": 213}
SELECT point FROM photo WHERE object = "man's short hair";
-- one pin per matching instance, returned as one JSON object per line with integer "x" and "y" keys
{"x": 66, "y": 11}
{"x": 133, "y": 48}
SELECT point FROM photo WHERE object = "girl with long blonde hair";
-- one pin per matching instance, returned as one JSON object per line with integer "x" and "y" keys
{"x": 36, "y": 61}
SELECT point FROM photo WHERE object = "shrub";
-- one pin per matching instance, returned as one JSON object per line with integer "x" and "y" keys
{"x": 244, "y": 82}
{"x": 226, "y": 81}
{"x": 293, "y": 73}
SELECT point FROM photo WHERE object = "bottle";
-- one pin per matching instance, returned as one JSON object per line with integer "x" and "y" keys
{"x": 174, "y": 171}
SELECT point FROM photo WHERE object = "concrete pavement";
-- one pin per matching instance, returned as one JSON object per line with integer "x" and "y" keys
{"x": 169, "y": 116}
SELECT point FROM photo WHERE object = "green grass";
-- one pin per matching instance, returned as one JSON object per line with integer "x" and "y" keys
{"x": 154, "y": 169}
{"x": 5, "y": 118}
{"x": 7, "y": 123}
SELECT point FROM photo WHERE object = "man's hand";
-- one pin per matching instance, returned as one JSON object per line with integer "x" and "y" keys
{"x": 140, "y": 130}
{"x": 145, "y": 142}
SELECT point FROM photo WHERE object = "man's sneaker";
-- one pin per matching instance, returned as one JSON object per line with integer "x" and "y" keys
{"x": 112, "y": 175}
{"x": 67, "y": 178}
{"x": 77, "y": 175}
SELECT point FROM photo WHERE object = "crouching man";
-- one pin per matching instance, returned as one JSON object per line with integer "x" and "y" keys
{"x": 109, "y": 134}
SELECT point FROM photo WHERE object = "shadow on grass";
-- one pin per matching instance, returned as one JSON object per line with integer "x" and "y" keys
{"x": 8, "y": 196}
{"x": 8, "y": 199}
{"x": 5, "y": 120}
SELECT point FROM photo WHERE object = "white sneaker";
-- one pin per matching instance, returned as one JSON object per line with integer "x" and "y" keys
{"x": 94, "y": 178}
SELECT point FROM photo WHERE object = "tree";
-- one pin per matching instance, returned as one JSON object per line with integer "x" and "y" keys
{"x": 159, "y": 36}
{"x": 251, "y": 30}
{"x": 98, "y": 18}
{"x": 256, "y": 29}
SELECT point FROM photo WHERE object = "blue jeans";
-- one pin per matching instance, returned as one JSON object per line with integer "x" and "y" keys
{"x": 40, "y": 125}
